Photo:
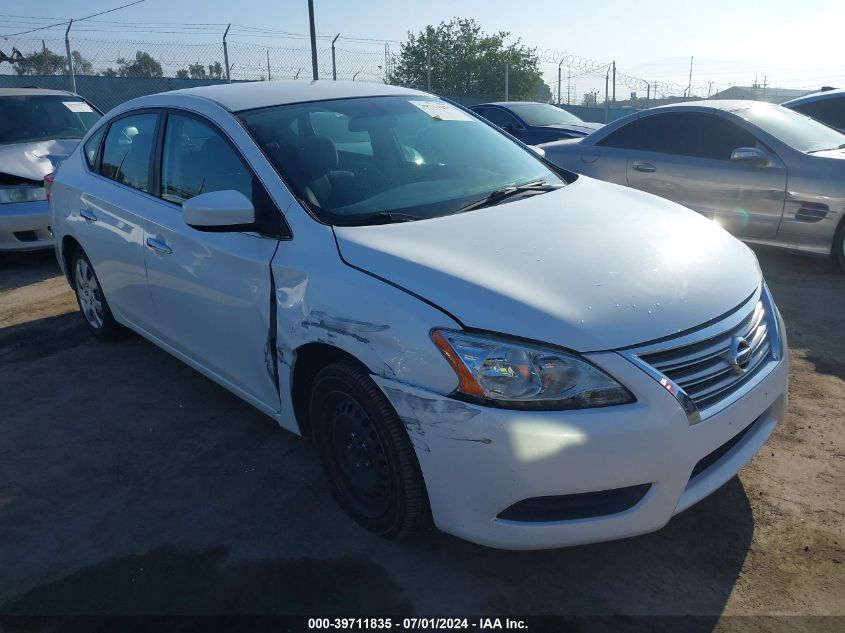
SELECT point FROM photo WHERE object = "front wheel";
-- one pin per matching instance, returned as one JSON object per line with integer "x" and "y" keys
{"x": 92, "y": 303}
{"x": 838, "y": 251}
{"x": 366, "y": 454}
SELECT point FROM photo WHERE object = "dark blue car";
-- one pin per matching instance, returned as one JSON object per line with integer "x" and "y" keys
{"x": 534, "y": 123}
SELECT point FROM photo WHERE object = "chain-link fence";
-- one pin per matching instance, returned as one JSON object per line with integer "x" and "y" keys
{"x": 113, "y": 67}
{"x": 109, "y": 71}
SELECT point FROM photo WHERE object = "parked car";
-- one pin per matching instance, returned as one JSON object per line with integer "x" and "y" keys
{"x": 37, "y": 129}
{"x": 827, "y": 106}
{"x": 535, "y": 123}
{"x": 532, "y": 358}
{"x": 767, "y": 174}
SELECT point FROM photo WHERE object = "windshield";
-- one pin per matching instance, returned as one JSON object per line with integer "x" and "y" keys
{"x": 796, "y": 130}
{"x": 409, "y": 157}
{"x": 28, "y": 118}
{"x": 539, "y": 114}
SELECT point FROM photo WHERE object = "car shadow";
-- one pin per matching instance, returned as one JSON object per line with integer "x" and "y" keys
{"x": 130, "y": 484}
{"x": 22, "y": 269}
{"x": 810, "y": 293}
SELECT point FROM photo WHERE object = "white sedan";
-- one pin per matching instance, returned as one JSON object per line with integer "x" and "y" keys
{"x": 469, "y": 334}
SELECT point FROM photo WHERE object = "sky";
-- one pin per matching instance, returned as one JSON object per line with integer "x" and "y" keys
{"x": 791, "y": 44}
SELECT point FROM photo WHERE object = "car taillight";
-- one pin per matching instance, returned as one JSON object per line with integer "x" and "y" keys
{"x": 48, "y": 185}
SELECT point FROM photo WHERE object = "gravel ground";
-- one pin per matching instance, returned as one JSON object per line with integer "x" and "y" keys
{"x": 130, "y": 484}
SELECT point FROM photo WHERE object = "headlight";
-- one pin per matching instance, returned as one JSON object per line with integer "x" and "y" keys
{"x": 21, "y": 193}
{"x": 521, "y": 376}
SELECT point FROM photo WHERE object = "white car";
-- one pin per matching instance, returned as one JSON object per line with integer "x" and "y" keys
{"x": 38, "y": 128}
{"x": 530, "y": 358}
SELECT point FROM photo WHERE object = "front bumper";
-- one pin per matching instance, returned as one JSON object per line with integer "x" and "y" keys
{"x": 25, "y": 226}
{"x": 478, "y": 461}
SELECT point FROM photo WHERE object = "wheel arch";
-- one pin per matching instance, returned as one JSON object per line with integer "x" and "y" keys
{"x": 69, "y": 245}
{"x": 308, "y": 360}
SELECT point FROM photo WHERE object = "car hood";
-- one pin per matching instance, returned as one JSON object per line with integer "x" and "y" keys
{"x": 34, "y": 160}
{"x": 592, "y": 266}
{"x": 582, "y": 128}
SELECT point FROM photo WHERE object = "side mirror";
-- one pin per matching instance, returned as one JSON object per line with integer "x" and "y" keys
{"x": 218, "y": 210}
{"x": 750, "y": 155}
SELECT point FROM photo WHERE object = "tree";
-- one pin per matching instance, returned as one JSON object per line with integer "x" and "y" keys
{"x": 142, "y": 66}
{"x": 46, "y": 62}
{"x": 197, "y": 71}
{"x": 467, "y": 61}
{"x": 181, "y": 74}
{"x": 542, "y": 93}
{"x": 215, "y": 70}
{"x": 81, "y": 66}
{"x": 41, "y": 62}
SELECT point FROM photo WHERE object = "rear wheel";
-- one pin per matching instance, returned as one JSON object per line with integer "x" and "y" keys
{"x": 92, "y": 303}
{"x": 366, "y": 454}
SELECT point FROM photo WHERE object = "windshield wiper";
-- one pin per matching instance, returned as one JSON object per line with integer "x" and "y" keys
{"x": 380, "y": 217}
{"x": 499, "y": 195}
{"x": 828, "y": 149}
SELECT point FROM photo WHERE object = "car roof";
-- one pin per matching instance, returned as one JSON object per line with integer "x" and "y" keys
{"x": 728, "y": 105}
{"x": 505, "y": 104}
{"x": 261, "y": 94}
{"x": 816, "y": 96}
{"x": 27, "y": 92}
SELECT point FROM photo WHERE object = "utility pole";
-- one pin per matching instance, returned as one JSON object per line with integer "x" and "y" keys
{"x": 606, "y": 102}
{"x": 226, "y": 54}
{"x": 334, "y": 66}
{"x": 647, "y": 94}
{"x": 689, "y": 86}
{"x": 507, "y": 93}
{"x": 43, "y": 57}
{"x": 709, "y": 88}
{"x": 428, "y": 69}
{"x": 558, "y": 81}
{"x": 69, "y": 57}
{"x": 268, "y": 65}
{"x": 568, "y": 85}
{"x": 314, "y": 71}
{"x": 614, "y": 83}
{"x": 765, "y": 84}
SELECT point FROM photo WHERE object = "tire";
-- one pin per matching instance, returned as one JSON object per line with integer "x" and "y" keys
{"x": 365, "y": 453}
{"x": 838, "y": 250}
{"x": 92, "y": 303}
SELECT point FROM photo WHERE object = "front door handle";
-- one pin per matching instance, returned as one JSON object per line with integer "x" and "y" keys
{"x": 644, "y": 167}
{"x": 158, "y": 247}
{"x": 88, "y": 215}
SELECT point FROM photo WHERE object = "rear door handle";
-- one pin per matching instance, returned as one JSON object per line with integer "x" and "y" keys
{"x": 644, "y": 167}
{"x": 158, "y": 247}
{"x": 88, "y": 215}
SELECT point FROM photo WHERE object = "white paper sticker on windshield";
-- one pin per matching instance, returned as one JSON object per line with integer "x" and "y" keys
{"x": 77, "y": 106}
{"x": 442, "y": 111}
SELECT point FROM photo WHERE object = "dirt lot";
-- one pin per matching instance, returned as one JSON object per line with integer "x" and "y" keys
{"x": 131, "y": 484}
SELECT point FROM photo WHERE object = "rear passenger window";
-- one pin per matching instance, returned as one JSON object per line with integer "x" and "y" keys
{"x": 92, "y": 147}
{"x": 126, "y": 152}
{"x": 197, "y": 160}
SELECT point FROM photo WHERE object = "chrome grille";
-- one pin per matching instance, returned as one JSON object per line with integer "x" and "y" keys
{"x": 705, "y": 369}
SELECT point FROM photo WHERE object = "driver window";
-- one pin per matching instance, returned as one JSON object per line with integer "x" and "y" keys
{"x": 499, "y": 117}
{"x": 197, "y": 160}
